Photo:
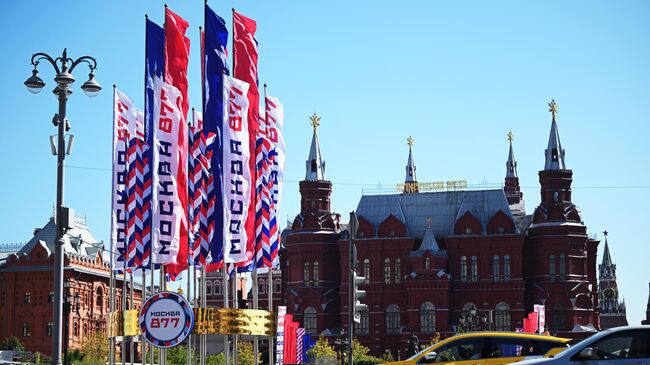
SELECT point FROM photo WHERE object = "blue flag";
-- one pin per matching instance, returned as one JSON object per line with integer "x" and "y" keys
{"x": 215, "y": 41}
{"x": 154, "y": 65}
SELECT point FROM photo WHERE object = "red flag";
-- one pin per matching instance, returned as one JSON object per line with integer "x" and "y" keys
{"x": 245, "y": 69}
{"x": 177, "y": 52}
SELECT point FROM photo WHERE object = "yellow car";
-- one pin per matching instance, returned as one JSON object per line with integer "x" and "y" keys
{"x": 487, "y": 348}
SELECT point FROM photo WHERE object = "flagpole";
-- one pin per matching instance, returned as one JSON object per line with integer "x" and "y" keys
{"x": 196, "y": 305}
{"x": 143, "y": 297}
{"x": 235, "y": 305}
{"x": 256, "y": 343}
{"x": 124, "y": 303}
{"x": 152, "y": 266}
{"x": 162, "y": 354}
{"x": 203, "y": 337}
{"x": 189, "y": 299}
{"x": 270, "y": 283}
{"x": 270, "y": 299}
{"x": 131, "y": 306}
{"x": 111, "y": 277}
{"x": 226, "y": 345}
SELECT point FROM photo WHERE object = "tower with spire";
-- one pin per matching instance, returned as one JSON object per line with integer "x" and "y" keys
{"x": 612, "y": 312}
{"x": 410, "y": 181}
{"x": 559, "y": 257}
{"x": 511, "y": 186}
{"x": 647, "y": 309}
{"x": 311, "y": 256}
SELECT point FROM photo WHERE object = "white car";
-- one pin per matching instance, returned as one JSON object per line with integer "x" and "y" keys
{"x": 615, "y": 346}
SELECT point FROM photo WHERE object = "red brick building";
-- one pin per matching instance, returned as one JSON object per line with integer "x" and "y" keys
{"x": 443, "y": 261}
{"x": 27, "y": 289}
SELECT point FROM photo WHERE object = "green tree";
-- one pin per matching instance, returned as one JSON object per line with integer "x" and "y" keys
{"x": 216, "y": 359}
{"x": 12, "y": 343}
{"x": 245, "y": 355}
{"x": 321, "y": 350}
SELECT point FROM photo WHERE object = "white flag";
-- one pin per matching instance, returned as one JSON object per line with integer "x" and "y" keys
{"x": 167, "y": 208}
{"x": 278, "y": 153}
{"x": 237, "y": 177}
{"x": 124, "y": 118}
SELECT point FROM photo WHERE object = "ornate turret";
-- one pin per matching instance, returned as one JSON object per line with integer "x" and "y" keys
{"x": 511, "y": 186}
{"x": 410, "y": 182}
{"x": 555, "y": 181}
{"x": 315, "y": 191}
{"x": 612, "y": 312}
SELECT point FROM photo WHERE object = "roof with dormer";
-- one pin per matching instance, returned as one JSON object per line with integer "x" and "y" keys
{"x": 443, "y": 208}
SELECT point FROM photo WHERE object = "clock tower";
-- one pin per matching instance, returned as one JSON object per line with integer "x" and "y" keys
{"x": 612, "y": 312}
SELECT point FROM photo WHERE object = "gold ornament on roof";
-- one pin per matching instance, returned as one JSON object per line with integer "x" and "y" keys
{"x": 409, "y": 141}
{"x": 314, "y": 121}
{"x": 510, "y": 136}
{"x": 552, "y": 107}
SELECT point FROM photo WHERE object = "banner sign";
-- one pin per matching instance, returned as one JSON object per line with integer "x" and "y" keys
{"x": 541, "y": 316}
{"x": 231, "y": 321}
{"x": 277, "y": 157}
{"x": 279, "y": 346}
{"x": 166, "y": 319}
{"x": 168, "y": 210}
{"x": 124, "y": 117}
{"x": 236, "y": 174}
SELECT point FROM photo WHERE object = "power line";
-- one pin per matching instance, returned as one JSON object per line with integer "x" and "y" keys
{"x": 376, "y": 184}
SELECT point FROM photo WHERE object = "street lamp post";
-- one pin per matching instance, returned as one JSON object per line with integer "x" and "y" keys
{"x": 35, "y": 84}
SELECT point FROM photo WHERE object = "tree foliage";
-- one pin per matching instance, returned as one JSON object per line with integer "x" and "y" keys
{"x": 12, "y": 343}
{"x": 321, "y": 350}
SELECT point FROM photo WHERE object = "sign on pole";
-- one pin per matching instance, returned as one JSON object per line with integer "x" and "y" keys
{"x": 166, "y": 319}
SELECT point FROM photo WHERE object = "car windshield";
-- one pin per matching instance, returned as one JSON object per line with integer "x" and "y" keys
{"x": 420, "y": 353}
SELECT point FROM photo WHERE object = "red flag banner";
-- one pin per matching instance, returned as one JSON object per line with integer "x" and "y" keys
{"x": 245, "y": 69}
{"x": 177, "y": 52}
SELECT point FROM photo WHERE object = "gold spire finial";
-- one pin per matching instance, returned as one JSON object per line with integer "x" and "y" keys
{"x": 314, "y": 121}
{"x": 510, "y": 136}
{"x": 552, "y": 107}
{"x": 409, "y": 141}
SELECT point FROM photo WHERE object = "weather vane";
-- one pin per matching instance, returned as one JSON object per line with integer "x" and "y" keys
{"x": 315, "y": 121}
{"x": 510, "y": 136}
{"x": 552, "y": 107}
{"x": 409, "y": 141}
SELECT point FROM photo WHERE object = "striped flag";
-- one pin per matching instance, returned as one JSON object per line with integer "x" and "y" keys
{"x": 300, "y": 335}
{"x": 277, "y": 156}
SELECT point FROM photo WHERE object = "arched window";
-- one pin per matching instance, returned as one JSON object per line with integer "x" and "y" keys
{"x": 363, "y": 328}
{"x": 27, "y": 330}
{"x": 277, "y": 285}
{"x": 558, "y": 318}
{"x": 463, "y": 268}
{"x": 261, "y": 286}
{"x": 75, "y": 329}
{"x": 316, "y": 274}
{"x": 502, "y": 317}
{"x": 495, "y": 267}
{"x": 392, "y": 319}
{"x": 398, "y": 270}
{"x": 562, "y": 267}
{"x": 49, "y": 329}
{"x": 216, "y": 288}
{"x": 85, "y": 332}
{"x": 551, "y": 267}
{"x": 208, "y": 288}
{"x": 305, "y": 274}
{"x": 468, "y": 230}
{"x": 474, "y": 268}
{"x": 310, "y": 322}
{"x": 506, "y": 267}
{"x": 427, "y": 317}
{"x": 99, "y": 296}
{"x": 387, "y": 271}
{"x": 427, "y": 263}
{"x": 366, "y": 270}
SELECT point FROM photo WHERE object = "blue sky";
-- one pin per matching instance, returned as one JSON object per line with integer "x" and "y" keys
{"x": 455, "y": 75}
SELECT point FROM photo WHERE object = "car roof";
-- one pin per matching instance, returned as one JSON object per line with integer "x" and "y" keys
{"x": 522, "y": 335}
